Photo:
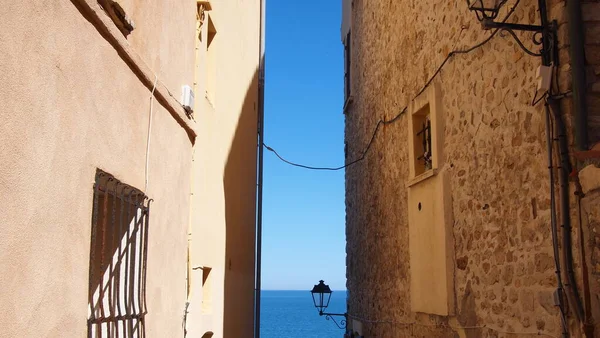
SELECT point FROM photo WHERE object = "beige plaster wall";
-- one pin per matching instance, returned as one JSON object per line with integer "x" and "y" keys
{"x": 495, "y": 153}
{"x": 222, "y": 231}
{"x": 164, "y": 38}
{"x": 70, "y": 104}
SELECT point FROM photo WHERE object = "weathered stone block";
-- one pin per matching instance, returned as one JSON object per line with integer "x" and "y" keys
{"x": 546, "y": 301}
{"x": 592, "y": 54}
{"x": 592, "y": 33}
{"x": 590, "y": 11}
{"x": 543, "y": 262}
{"x": 527, "y": 300}
{"x": 589, "y": 177}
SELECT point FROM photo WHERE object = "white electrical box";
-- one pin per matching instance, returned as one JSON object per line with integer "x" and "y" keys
{"x": 544, "y": 78}
{"x": 187, "y": 98}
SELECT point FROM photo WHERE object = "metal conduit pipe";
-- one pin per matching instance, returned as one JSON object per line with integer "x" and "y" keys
{"x": 259, "y": 176}
{"x": 577, "y": 53}
{"x": 565, "y": 170}
{"x": 553, "y": 225}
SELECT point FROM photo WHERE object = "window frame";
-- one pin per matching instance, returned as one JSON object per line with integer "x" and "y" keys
{"x": 426, "y": 107}
{"x": 348, "y": 67}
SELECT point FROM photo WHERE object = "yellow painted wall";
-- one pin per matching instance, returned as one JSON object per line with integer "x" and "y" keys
{"x": 431, "y": 282}
{"x": 224, "y": 175}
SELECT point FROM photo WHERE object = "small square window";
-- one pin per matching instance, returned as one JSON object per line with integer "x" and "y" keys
{"x": 119, "y": 16}
{"x": 347, "y": 67}
{"x": 206, "y": 290}
{"x": 211, "y": 61}
{"x": 426, "y": 128}
{"x": 422, "y": 141}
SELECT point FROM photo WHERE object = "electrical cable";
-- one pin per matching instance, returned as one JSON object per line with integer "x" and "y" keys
{"x": 564, "y": 172}
{"x": 149, "y": 132}
{"x": 553, "y": 221}
{"x": 427, "y": 84}
{"x": 535, "y": 102}
{"x": 379, "y": 123}
{"x": 386, "y": 122}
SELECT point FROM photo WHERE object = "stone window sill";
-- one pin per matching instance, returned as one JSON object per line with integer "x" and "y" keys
{"x": 422, "y": 177}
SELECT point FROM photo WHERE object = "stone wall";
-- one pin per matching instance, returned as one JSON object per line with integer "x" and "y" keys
{"x": 495, "y": 155}
{"x": 589, "y": 178}
{"x": 591, "y": 17}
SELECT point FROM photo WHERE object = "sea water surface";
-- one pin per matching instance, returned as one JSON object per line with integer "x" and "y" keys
{"x": 292, "y": 314}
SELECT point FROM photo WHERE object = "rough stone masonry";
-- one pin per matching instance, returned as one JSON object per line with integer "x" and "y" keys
{"x": 495, "y": 153}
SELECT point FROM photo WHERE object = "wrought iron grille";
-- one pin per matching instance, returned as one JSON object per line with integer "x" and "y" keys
{"x": 425, "y": 134}
{"x": 118, "y": 252}
{"x": 347, "y": 66}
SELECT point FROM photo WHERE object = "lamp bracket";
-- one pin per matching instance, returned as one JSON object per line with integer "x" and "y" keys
{"x": 542, "y": 35}
{"x": 491, "y": 24}
{"x": 330, "y": 316}
{"x": 520, "y": 43}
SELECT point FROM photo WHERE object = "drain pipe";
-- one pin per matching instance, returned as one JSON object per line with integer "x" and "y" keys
{"x": 563, "y": 177}
{"x": 259, "y": 178}
{"x": 577, "y": 53}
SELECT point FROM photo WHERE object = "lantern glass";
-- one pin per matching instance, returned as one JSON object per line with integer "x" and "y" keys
{"x": 321, "y": 294}
{"x": 486, "y": 9}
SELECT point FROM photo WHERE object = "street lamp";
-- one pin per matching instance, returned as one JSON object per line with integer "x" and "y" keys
{"x": 487, "y": 11}
{"x": 321, "y": 294}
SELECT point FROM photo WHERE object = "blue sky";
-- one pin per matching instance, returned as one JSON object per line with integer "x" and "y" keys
{"x": 303, "y": 210}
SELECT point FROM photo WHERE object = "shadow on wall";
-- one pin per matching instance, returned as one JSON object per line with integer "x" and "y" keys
{"x": 239, "y": 184}
{"x": 118, "y": 250}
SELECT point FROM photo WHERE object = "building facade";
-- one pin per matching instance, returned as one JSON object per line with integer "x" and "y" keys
{"x": 126, "y": 208}
{"x": 451, "y": 211}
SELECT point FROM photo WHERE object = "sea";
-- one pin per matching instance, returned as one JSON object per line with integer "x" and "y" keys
{"x": 292, "y": 314}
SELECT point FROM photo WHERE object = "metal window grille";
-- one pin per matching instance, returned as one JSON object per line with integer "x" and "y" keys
{"x": 118, "y": 252}
{"x": 425, "y": 134}
{"x": 347, "y": 64}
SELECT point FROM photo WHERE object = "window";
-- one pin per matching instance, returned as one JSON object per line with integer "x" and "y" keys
{"x": 346, "y": 36}
{"x": 422, "y": 141}
{"x": 211, "y": 61}
{"x": 119, "y": 16}
{"x": 347, "y": 66}
{"x": 429, "y": 208}
{"x": 426, "y": 131}
{"x": 118, "y": 251}
{"x": 206, "y": 290}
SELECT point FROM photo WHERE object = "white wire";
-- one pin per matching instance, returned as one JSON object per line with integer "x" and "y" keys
{"x": 149, "y": 132}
